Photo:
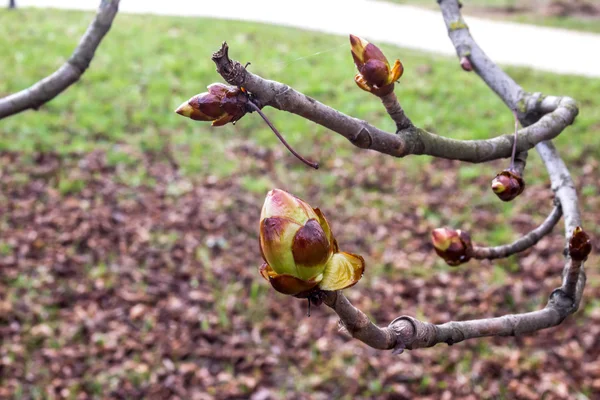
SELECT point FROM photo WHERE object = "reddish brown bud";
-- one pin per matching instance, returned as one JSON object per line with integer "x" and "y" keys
{"x": 221, "y": 104}
{"x": 454, "y": 246}
{"x": 311, "y": 246}
{"x": 465, "y": 64}
{"x": 508, "y": 184}
{"x": 374, "y": 72}
{"x": 579, "y": 245}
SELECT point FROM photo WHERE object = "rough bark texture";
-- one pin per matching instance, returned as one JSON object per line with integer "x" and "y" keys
{"x": 70, "y": 72}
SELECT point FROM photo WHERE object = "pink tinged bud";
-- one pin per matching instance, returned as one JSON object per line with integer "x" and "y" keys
{"x": 454, "y": 246}
{"x": 465, "y": 64}
{"x": 580, "y": 245}
{"x": 281, "y": 203}
{"x": 300, "y": 251}
{"x": 221, "y": 104}
{"x": 508, "y": 185}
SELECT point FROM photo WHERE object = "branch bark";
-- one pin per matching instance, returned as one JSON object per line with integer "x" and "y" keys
{"x": 70, "y": 72}
{"x": 406, "y": 332}
{"x": 358, "y": 325}
{"x": 395, "y": 111}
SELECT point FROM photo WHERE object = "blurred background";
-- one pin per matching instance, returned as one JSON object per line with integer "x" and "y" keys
{"x": 128, "y": 234}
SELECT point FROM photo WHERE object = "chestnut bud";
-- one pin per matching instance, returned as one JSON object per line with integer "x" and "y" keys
{"x": 508, "y": 184}
{"x": 454, "y": 246}
{"x": 300, "y": 253}
{"x": 221, "y": 104}
{"x": 374, "y": 72}
{"x": 579, "y": 245}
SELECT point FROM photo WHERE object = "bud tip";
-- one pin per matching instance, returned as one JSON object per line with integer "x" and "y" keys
{"x": 498, "y": 187}
{"x": 184, "y": 109}
{"x": 465, "y": 64}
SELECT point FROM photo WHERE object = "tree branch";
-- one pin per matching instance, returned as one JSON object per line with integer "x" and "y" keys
{"x": 410, "y": 333}
{"x": 533, "y": 108}
{"x": 572, "y": 279}
{"x": 416, "y": 334}
{"x": 410, "y": 140}
{"x": 394, "y": 109}
{"x": 521, "y": 244}
{"x": 358, "y": 324}
{"x": 70, "y": 72}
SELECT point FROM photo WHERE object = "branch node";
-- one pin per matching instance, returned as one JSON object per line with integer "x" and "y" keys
{"x": 412, "y": 333}
{"x": 559, "y": 299}
{"x": 362, "y": 139}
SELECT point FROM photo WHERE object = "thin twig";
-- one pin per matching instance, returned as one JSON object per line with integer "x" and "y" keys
{"x": 70, "y": 72}
{"x": 395, "y": 111}
{"x": 358, "y": 325}
{"x": 298, "y": 156}
{"x": 410, "y": 333}
{"x": 521, "y": 244}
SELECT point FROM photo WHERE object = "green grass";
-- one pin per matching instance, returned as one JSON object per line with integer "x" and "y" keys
{"x": 148, "y": 65}
{"x": 523, "y": 11}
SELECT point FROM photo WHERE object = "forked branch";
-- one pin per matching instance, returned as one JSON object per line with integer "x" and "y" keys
{"x": 411, "y": 139}
{"x": 543, "y": 118}
{"x": 70, "y": 72}
{"x": 412, "y": 333}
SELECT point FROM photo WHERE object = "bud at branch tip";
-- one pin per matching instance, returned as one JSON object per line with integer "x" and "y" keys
{"x": 509, "y": 184}
{"x": 374, "y": 72}
{"x": 453, "y": 245}
{"x": 301, "y": 255}
{"x": 580, "y": 245}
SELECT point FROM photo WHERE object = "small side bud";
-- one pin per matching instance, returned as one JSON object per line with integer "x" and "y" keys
{"x": 507, "y": 185}
{"x": 465, "y": 64}
{"x": 579, "y": 245}
{"x": 454, "y": 246}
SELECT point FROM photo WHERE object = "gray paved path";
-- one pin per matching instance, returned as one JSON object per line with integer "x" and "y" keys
{"x": 549, "y": 49}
